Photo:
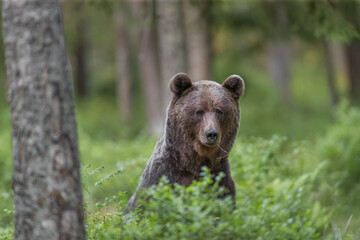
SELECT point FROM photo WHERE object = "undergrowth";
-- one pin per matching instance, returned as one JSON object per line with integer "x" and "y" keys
{"x": 281, "y": 210}
{"x": 285, "y": 189}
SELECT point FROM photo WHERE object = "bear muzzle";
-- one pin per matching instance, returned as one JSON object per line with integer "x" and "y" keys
{"x": 210, "y": 138}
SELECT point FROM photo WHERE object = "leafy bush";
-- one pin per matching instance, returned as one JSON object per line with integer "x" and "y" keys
{"x": 341, "y": 147}
{"x": 5, "y": 169}
{"x": 339, "y": 187}
{"x": 6, "y": 233}
{"x": 6, "y": 206}
{"x": 103, "y": 160}
{"x": 272, "y": 202}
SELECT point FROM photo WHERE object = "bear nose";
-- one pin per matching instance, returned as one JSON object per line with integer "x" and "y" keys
{"x": 211, "y": 135}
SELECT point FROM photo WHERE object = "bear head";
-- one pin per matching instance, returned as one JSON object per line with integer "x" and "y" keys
{"x": 204, "y": 115}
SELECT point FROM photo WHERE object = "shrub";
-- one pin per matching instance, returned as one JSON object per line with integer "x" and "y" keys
{"x": 6, "y": 233}
{"x": 341, "y": 148}
{"x": 5, "y": 169}
{"x": 282, "y": 209}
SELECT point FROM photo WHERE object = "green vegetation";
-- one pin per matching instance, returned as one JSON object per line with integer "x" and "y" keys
{"x": 302, "y": 183}
{"x": 286, "y": 189}
{"x": 302, "y": 186}
{"x": 6, "y": 206}
{"x": 279, "y": 209}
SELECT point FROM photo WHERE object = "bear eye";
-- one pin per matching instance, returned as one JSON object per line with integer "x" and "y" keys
{"x": 199, "y": 113}
{"x": 219, "y": 113}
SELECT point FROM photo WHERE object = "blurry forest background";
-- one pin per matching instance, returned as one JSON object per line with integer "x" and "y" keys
{"x": 300, "y": 61}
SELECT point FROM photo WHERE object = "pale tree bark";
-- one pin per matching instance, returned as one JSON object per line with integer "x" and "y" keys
{"x": 46, "y": 178}
{"x": 279, "y": 54}
{"x": 338, "y": 55}
{"x": 2, "y": 68}
{"x": 123, "y": 59}
{"x": 197, "y": 39}
{"x": 279, "y": 67}
{"x": 149, "y": 67}
{"x": 171, "y": 45}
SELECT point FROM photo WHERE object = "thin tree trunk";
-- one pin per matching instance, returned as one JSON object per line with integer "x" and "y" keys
{"x": 2, "y": 68}
{"x": 46, "y": 178}
{"x": 197, "y": 39}
{"x": 339, "y": 61}
{"x": 330, "y": 70}
{"x": 81, "y": 71}
{"x": 279, "y": 58}
{"x": 123, "y": 66}
{"x": 172, "y": 45}
{"x": 150, "y": 70}
{"x": 353, "y": 54}
{"x": 279, "y": 67}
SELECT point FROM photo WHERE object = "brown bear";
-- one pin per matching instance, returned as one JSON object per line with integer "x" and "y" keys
{"x": 201, "y": 126}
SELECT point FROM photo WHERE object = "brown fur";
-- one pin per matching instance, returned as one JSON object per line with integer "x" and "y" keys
{"x": 183, "y": 150}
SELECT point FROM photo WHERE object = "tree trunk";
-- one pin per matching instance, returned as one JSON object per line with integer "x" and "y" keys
{"x": 46, "y": 178}
{"x": 123, "y": 66}
{"x": 279, "y": 67}
{"x": 150, "y": 71}
{"x": 2, "y": 68}
{"x": 353, "y": 55}
{"x": 339, "y": 61}
{"x": 330, "y": 70}
{"x": 81, "y": 73}
{"x": 172, "y": 45}
{"x": 279, "y": 58}
{"x": 197, "y": 39}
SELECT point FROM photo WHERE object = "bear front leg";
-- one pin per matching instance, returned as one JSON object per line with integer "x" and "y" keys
{"x": 227, "y": 180}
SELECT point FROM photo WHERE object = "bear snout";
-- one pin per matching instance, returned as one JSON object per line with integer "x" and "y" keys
{"x": 211, "y": 136}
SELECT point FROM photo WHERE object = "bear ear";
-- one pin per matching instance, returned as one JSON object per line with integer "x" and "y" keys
{"x": 235, "y": 84}
{"x": 179, "y": 83}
